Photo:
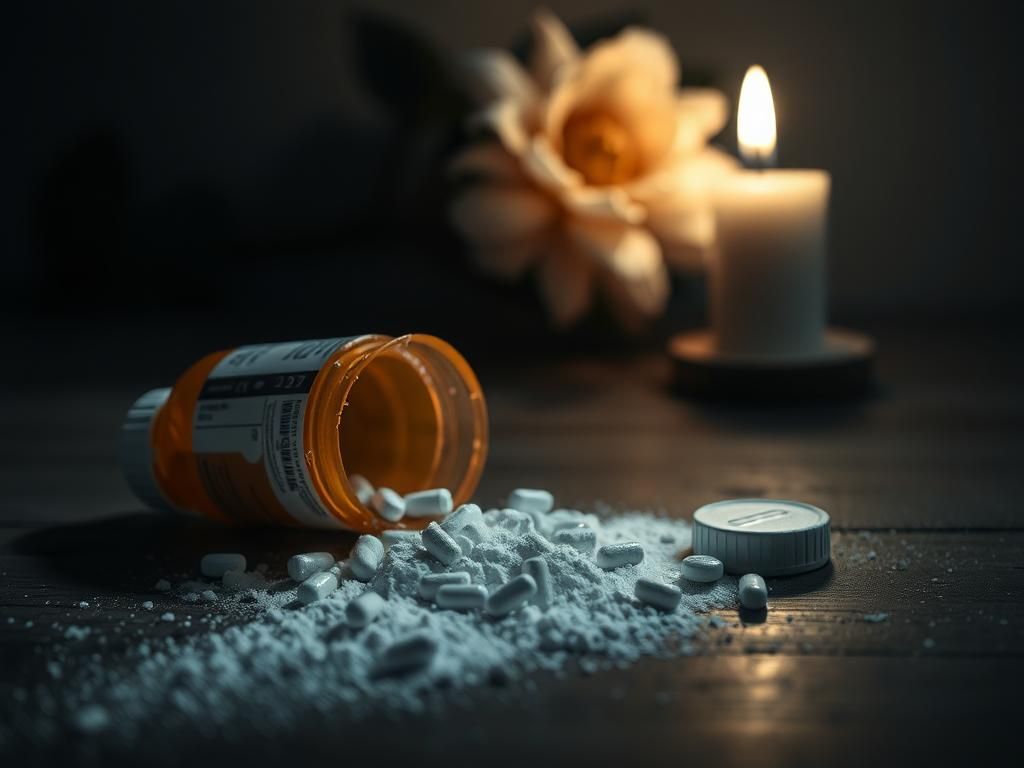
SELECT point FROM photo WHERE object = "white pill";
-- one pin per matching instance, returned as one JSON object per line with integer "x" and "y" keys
{"x": 301, "y": 567}
{"x": 388, "y": 504}
{"x": 753, "y": 592}
{"x": 537, "y": 569}
{"x": 531, "y": 500}
{"x": 318, "y": 586}
{"x": 391, "y": 537}
{"x": 366, "y": 556}
{"x": 511, "y": 595}
{"x": 657, "y": 593}
{"x": 475, "y": 532}
{"x": 461, "y": 517}
{"x": 216, "y": 565}
{"x": 702, "y": 568}
{"x": 582, "y": 538}
{"x": 617, "y": 555}
{"x": 461, "y": 597}
{"x": 465, "y": 544}
{"x": 409, "y": 654}
{"x": 431, "y": 582}
{"x": 363, "y": 488}
{"x": 437, "y": 502}
{"x": 440, "y": 544}
{"x": 364, "y": 609}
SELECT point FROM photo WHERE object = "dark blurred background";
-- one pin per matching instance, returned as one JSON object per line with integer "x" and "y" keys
{"x": 271, "y": 170}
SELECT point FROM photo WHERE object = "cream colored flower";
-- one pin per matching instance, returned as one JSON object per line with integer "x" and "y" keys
{"x": 596, "y": 172}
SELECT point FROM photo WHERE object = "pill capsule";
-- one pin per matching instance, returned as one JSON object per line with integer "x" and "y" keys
{"x": 318, "y": 586}
{"x": 364, "y": 609}
{"x": 582, "y": 538}
{"x": 531, "y": 500}
{"x": 702, "y": 568}
{"x": 301, "y": 567}
{"x": 216, "y": 565}
{"x": 440, "y": 544}
{"x": 393, "y": 536}
{"x": 753, "y": 592}
{"x": 366, "y": 556}
{"x": 617, "y": 555}
{"x": 363, "y": 488}
{"x": 657, "y": 593}
{"x": 431, "y": 582}
{"x": 465, "y": 544}
{"x": 388, "y": 504}
{"x": 411, "y": 653}
{"x": 436, "y": 502}
{"x": 511, "y": 595}
{"x": 537, "y": 569}
{"x": 461, "y": 517}
{"x": 475, "y": 532}
{"x": 461, "y": 597}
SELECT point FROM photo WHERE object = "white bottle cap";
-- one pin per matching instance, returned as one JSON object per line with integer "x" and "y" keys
{"x": 136, "y": 453}
{"x": 770, "y": 537}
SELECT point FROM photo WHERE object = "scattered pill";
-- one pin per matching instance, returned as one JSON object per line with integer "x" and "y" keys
{"x": 364, "y": 609}
{"x": 617, "y": 555}
{"x": 461, "y": 597}
{"x": 465, "y": 544}
{"x": 582, "y": 538}
{"x": 531, "y": 500}
{"x": 436, "y": 502}
{"x": 216, "y": 565}
{"x": 163, "y": 585}
{"x": 753, "y": 592}
{"x": 147, "y": 605}
{"x": 702, "y": 568}
{"x": 363, "y": 488}
{"x": 391, "y": 537}
{"x": 461, "y": 517}
{"x": 388, "y": 504}
{"x": 533, "y": 544}
{"x": 167, "y": 616}
{"x": 440, "y": 544}
{"x": 409, "y": 654}
{"x": 431, "y": 582}
{"x": 537, "y": 569}
{"x": 475, "y": 532}
{"x": 366, "y": 556}
{"x": 301, "y": 567}
{"x": 511, "y": 595}
{"x": 209, "y": 596}
{"x": 663, "y": 596}
{"x": 318, "y": 586}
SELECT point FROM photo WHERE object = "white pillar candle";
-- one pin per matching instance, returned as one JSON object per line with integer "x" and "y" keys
{"x": 766, "y": 278}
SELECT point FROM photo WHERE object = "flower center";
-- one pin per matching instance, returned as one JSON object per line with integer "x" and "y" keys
{"x": 598, "y": 146}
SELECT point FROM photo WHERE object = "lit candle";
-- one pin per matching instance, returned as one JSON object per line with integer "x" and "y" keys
{"x": 767, "y": 277}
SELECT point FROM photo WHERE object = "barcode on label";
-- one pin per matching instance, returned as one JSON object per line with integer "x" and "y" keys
{"x": 287, "y": 434}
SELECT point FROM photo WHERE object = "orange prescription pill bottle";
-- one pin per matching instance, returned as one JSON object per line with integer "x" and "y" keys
{"x": 271, "y": 433}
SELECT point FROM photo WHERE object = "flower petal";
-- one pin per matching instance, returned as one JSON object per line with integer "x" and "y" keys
{"x": 487, "y": 161}
{"x": 491, "y": 75}
{"x": 490, "y": 213}
{"x": 566, "y": 281}
{"x": 686, "y": 235}
{"x": 635, "y": 278}
{"x": 546, "y": 166}
{"x": 611, "y": 203}
{"x": 702, "y": 113}
{"x": 507, "y": 121}
{"x": 553, "y": 48}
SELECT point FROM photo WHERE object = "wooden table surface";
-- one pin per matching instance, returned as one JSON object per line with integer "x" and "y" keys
{"x": 924, "y": 482}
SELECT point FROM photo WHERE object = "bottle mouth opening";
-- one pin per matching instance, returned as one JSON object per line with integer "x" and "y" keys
{"x": 410, "y": 416}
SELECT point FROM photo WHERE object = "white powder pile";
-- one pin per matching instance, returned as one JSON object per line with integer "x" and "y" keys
{"x": 283, "y": 660}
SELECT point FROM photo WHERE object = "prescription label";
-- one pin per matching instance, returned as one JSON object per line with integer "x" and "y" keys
{"x": 247, "y": 432}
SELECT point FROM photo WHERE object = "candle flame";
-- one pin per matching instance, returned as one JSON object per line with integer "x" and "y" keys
{"x": 755, "y": 123}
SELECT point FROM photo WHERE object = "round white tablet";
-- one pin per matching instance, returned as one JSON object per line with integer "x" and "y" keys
{"x": 771, "y": 537}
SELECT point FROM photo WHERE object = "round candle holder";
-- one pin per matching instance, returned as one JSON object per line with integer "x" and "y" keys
{"x": 843, "y": 369}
